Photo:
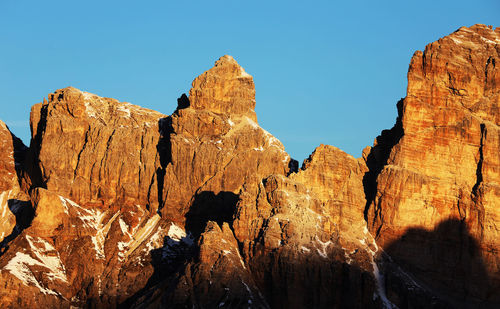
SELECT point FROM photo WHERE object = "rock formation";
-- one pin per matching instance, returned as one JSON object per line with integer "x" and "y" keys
{"x": 16, "y": 212}
{"x": 442, "y": 173}
{"x": 114, "y": 205}
{"x": 212, "y": 145}
{"x": 8, "y": 181}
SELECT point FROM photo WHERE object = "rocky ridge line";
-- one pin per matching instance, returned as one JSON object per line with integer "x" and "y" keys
{"x": 203, "y": 208}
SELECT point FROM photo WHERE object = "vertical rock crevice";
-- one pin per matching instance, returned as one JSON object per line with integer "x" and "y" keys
{"x": 477, "y": 188}
{"x": 479, "y": 169}
{"x": 32, "y": 172}
{"x": 164, "y": 151}
{"x": 377, "y": 158}
{"x": 300, "y": 232}
{"x": 20, "y": 153}
{"x": 83, "y": 148}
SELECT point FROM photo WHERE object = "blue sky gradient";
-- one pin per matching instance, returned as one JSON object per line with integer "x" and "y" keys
{"x": 325, "y": 72}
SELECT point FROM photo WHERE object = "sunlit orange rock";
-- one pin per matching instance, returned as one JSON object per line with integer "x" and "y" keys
{"x": 114, "y": 205}
{"x": 13, "y": 201}
{"x": 212, "y": 146}
{"x": 443, "y": 169}
{"x": 95, "y": 150}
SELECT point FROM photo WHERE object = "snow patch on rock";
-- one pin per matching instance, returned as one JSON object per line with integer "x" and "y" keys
{"x": 4, "y": 197}
{"x": 244, "y": 74}
{"x": 305, "y": 249}
{"x": 323, "y": 246}
{"x": 123, "y": 226}
{"x": 124, "y": 109}
{"x": 175, "y": 232}
{"x": 139, "y": 235}
{"x": 91, "y": 219}
{"x": 49, "y": 257}
{"x": 46, "y": 256}
{"x": 18, "y": 266}
{"x": 379, "y": 277}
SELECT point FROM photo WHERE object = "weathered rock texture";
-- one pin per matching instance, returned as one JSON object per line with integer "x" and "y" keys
{"x": 436, "y": 205}
{"x": 95, "y": 150}
{"x": 8, "y": 180}
{"x": 15, "y": 211}
{"x": 91, "y": 174}
{"x": 8, "y": 177}
{"x": 211, "y": 146}
{"x": 114, "y": 205}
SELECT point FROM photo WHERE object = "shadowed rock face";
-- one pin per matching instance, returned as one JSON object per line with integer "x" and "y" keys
{"x": 16, "y": 211}
{"x": 8, "y": 180}
{"x": 114, "y": 205}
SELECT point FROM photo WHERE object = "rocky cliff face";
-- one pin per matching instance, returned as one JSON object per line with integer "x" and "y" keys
{"x": 439, "y": 190}
{"x": 15, "y": 216}
{"x": 114, "y": 205}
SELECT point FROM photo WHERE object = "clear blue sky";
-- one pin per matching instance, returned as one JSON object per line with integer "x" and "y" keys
{"x": 325, "y": 71}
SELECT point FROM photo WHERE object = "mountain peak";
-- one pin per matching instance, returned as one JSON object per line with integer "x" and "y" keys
{"x": 224, "y": 89}
{"x": 114, "y": 205}
{"x": 225, "y": 59}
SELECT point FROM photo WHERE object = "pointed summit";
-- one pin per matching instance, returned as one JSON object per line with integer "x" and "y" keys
{"x": 225, "y": 59}
{"x": 228, "y": 61}
{"x": 224, "y": 89}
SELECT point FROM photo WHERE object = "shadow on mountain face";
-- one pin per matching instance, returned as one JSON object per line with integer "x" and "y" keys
{"x": 164, "y": 151}
{"x": 170, "y": 260}
{"x": 441, "y": 268}
{"x": 32, "y": 176}
{"x": 168, "y": 263}
{"x": 22, "y": 210}
{"x": 378, "y": 157}
{"x": 183, "y": 102}
{"x": 445, "y": 261}
{"x": 24, "y": 213}
{"x": 291, "y": 279}
{"x": 20, "y": 152}
{"x": 208, "y": 206}
{"x": 164, "y": 148}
